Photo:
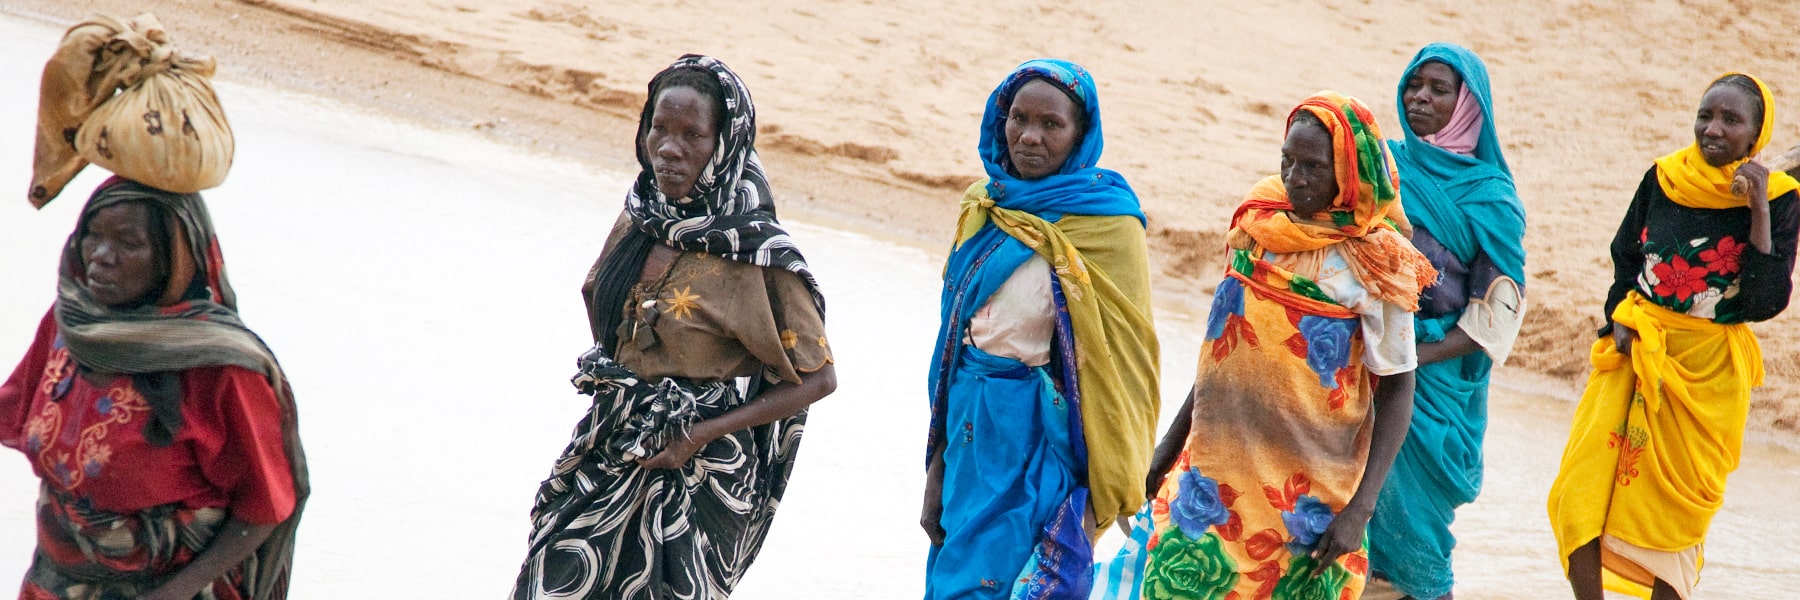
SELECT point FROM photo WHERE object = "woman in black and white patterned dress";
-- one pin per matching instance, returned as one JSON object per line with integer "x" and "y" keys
{"x": 709, "y": 346}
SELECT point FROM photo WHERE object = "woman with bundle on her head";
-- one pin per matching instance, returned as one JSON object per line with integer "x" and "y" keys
{"x": 1043, "y": 381}
{"x": 1468, "y": 220}
{"x": 709, "y": 346}
{"x": 1706, "y": 248}
{"x": 162, "y": 428}
{"x": 1264, "y": 483}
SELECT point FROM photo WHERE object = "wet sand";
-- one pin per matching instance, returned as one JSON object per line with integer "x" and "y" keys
{"x": 419, "y": 284}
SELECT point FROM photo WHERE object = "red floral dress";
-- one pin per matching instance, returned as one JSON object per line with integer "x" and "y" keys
{"x": 110, "y": 499}
{"x": 1699, "y": 261}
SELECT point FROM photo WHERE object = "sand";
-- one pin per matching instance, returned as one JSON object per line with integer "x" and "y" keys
{"x": 431, "y": 413}
{"x": 868, "y": 110}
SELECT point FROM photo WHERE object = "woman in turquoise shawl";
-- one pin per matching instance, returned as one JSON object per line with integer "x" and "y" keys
{"x": 1468, "y": 220}
{"x": 1043, "y": 381}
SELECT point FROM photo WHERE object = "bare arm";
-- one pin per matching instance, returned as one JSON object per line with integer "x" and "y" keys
{"x": 931, "y": 516}
{"x": 779, "y": 402}
{"x": 235, "y": 542}
{"x": 1757, "y": 177}
{"x": 1393, "y": 415}
{"x": 1765, "y": 278}
{"x": 1170, "y": 447}
{"x": 1455, "y": 344}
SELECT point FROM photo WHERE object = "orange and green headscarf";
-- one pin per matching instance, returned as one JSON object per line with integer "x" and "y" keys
{"x": 1689, "y": 181}
{"x": 1368, "y": 187}
{"x": 1366, "y": 211}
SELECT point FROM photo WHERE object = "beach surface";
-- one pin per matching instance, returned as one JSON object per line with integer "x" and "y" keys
{"x": 869, "y": 110}
{"x": 417, "y": 273}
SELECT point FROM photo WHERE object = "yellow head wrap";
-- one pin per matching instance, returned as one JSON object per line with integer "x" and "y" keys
{"x": 1690, "y": 182}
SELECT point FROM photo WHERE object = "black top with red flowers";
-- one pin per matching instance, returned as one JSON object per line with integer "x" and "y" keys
{"x": 1699, "y": 261}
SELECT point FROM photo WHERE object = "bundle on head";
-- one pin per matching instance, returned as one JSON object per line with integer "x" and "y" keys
{"x": 118, "y": 95}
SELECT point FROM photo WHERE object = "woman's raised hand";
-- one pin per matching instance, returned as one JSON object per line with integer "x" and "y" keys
{"x": 1752, "y": 183}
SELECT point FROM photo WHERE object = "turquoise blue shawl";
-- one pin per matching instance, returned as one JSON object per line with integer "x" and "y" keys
{"x": 1470, "y": 205}
{"x": 1467, "y": 202}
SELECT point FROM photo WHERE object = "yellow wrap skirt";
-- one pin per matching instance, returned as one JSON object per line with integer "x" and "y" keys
{"x": 1652, "y": 441}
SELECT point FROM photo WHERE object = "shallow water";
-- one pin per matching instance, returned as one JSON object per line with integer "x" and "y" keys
{"x": 420, "y": 287}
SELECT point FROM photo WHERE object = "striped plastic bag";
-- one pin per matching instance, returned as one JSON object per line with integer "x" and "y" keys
{"x": 1122, "y": 577}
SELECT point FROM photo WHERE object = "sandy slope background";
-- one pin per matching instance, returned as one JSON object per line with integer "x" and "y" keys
{"x": 429, "y": 428}
{"x": 869, "y": 109}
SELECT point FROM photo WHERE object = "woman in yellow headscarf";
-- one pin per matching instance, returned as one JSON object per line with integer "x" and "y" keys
{"x": 1706, "y": 247}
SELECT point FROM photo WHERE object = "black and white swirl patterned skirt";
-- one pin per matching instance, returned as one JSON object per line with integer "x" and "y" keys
{"x": 602, "y": 527}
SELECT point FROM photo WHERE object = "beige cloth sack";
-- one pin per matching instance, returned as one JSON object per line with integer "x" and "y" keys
{"x": 118, "y": 95}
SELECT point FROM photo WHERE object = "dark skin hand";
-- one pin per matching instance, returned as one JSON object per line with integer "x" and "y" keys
{"x": 931, "y": 516}
{"x": 1623, "y": 337}
{"x": 235, "y": 542}
{"x": 1393, "y": 415}
{"x": 1758, "y": 175}
{"x": 779, "y": 402}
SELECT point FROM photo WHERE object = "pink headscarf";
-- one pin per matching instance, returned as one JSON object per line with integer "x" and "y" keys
{"x": 1464, "y": 128}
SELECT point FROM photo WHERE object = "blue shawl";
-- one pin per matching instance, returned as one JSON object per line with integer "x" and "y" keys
{"x": 1061, "y": 556}
{"x": 979, "y": 265}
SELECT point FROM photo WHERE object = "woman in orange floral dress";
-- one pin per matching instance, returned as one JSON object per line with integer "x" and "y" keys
{"x": 1265, "y": 483}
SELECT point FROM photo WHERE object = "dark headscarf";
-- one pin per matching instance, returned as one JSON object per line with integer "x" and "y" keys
{"x": 198, "y": 328}
{"x": 729, "y": 214}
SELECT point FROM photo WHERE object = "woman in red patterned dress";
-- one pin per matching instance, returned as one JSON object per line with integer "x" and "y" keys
{"x": 163, "y": 430}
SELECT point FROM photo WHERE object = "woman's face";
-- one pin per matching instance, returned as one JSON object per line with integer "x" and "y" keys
{"x": 1430, "y": 97}
{"x": 1727, "y": 126}
{"x": 1307, "y": 168}
{"x": 683, "y": 133}
{"x": 119, "y": 257}
{"x": 1041, "y": 129}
